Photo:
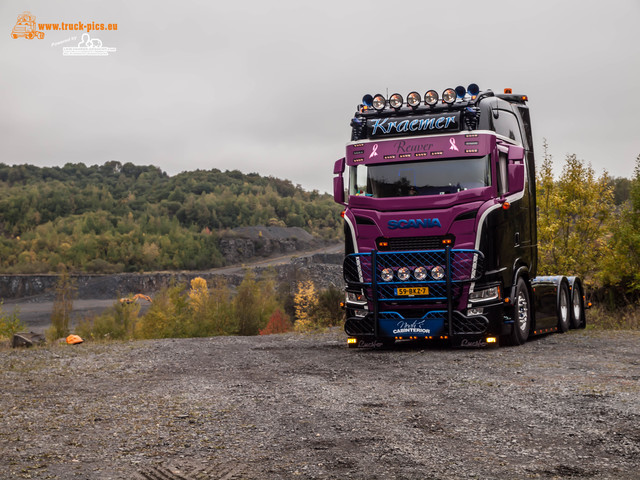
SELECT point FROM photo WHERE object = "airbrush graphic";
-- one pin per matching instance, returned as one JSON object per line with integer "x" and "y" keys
{"x": 88, "y": 46}
{"x": 26, "y": 27}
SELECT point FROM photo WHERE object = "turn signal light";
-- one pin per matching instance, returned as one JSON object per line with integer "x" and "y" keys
{"x": 492, "y": 339}
{"x": 352, "y": 341}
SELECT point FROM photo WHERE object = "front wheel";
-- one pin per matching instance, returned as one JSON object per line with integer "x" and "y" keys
{"x": 522, "y": 320}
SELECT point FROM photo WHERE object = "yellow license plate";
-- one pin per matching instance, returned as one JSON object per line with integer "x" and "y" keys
{"x": 412, "y": 291}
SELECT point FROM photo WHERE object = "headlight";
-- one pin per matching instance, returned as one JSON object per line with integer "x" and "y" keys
{"x": 485, "y": 294}
{"x": 353, "y": 297}
{"x": 431, "y": 98}
{"x": 413, "y": 99}
{"x": 420, "y": 273}
{"x": 396, "y": 101}
{"x": 449, "y": 96}
{"x": 437, "y": 273}
{"x": 379, "y": 102}
{"x": 403, "y": 274}
{"x": 386, "y": 275}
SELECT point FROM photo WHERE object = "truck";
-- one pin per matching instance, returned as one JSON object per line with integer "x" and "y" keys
{"x": 440, "y": 228}
{"x": 26, "y": 27}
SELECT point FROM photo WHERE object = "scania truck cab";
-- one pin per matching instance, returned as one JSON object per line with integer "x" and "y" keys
{"x": 440, "y": 223}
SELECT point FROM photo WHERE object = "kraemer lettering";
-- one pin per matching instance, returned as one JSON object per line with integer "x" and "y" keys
{"x": 386, "y": 126}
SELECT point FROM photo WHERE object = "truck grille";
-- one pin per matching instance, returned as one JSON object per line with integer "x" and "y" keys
{"x": 464, "y": 266}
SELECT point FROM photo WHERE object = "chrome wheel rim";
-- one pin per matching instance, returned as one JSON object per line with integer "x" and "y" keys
{"x": 564, "y": 307}
{"x": 576, "y": 305}
{"x": 523, "y": 312}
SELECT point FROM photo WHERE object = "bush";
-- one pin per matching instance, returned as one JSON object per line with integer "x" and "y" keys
{"x": 10, "y": 323}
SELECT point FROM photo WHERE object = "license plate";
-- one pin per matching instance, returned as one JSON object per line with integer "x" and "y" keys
{"x": 412, "y": 291}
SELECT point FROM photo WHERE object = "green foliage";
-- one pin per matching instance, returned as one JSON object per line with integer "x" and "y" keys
{"x": 573, "y": 218}
{"x": 9, "y": 323}
{"x": 622, "y": 268}
{"x": 114, "y": 217}
{"x": 315, "y": 310}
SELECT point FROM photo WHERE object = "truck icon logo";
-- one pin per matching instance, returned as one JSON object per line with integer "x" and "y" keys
{"x": 26, "y": 27}
{"x": 414, "y": 223}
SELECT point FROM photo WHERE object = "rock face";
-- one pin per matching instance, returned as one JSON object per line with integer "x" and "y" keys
{"x": 323, "y": 269}
{"x": 243, "y": 243}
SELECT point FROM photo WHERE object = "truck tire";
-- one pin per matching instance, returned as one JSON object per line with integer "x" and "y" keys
{"x": 563, "y": 308}
{"x": 577, "y": 307}
{"x": 522, "y": 314}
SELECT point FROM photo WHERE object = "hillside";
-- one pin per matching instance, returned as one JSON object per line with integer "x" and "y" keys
{"x": 127, "y": 218}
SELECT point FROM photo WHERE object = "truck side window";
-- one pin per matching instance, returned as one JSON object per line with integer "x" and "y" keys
{"x": 507, "y": 125}
{"x": 503, "y": 175}
{"x": 526, "y": 123}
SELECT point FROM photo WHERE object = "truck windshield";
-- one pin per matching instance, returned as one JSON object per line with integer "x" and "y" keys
{"x": 404, "y": 179}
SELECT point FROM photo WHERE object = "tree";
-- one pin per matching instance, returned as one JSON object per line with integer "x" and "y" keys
{"x": 305, "y": 304}
{"x": 622, "y": 267}
{"x": 278, "y": 323}
{"x": 62, "y": 305}
{"x": 573, "y": 218}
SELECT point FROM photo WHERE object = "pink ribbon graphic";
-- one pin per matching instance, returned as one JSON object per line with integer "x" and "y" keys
{"x": 375, "y": 150}
{"x": 452, "y": 141}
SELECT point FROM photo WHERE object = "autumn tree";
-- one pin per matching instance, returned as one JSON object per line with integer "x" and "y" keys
{"x": 622, "y": 267}
{"x": 573, "y": 218}
{"x": 305, "y": 305}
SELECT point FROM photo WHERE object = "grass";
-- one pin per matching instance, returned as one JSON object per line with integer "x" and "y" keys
{"x": 625, "y": 318}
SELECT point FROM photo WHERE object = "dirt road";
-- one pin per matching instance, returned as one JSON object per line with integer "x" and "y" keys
{"x": 294, "y": 406}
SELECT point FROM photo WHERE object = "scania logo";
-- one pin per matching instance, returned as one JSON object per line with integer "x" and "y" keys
{"x": 417, "y": 223}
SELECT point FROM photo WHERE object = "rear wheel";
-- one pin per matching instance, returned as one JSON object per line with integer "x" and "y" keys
{"x": 563, "y": 308}
{"x": 522, "y": 320}
{"x": 577, "y": 306}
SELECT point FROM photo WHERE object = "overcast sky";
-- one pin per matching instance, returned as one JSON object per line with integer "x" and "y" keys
{"x": 270, "y": 86}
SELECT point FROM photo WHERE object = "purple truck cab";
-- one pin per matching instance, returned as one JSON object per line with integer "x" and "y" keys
{"x": 440, "y": 224}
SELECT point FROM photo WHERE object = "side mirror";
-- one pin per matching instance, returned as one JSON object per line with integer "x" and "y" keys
{"x": 516, "y": 177}
{"x": 338, "y": 190}
{"x": 338, "y": 182}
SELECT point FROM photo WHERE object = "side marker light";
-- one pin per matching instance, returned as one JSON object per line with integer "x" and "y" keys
{"x": 506, "y": 205}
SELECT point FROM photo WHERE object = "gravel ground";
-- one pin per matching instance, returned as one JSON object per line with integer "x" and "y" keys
{"x": 305, "y": 406}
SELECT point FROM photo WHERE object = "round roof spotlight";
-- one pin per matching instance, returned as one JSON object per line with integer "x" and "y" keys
{"x": 420, "y": 273}
{"x": 386, "y": 275}
{"x": 396, "y": 101}
{"x": 461, "y": 92}
{"x": 431, "y": 98}
{"x": 449, "y": 96}
{"x": 403, "y": 274}
{"x": 367, "y": 100}
{"x": 473, "y": 89}
{"x": 413, "y": 99}
{"x": 379, "y": 102}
